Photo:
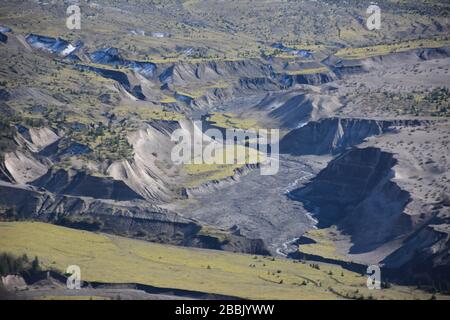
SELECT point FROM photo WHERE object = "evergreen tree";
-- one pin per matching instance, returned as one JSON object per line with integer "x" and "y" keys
{"x": 35, "y": 265}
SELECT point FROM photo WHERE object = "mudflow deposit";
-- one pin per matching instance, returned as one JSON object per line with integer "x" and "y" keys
{"x": 87, "y": 117}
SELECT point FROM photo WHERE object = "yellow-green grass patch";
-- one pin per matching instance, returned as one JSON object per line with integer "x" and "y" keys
{"x": 147, "y": 113}
{"x": 231, "y": 120}
{"x": 308, "y": 71}
{"x": 377, "y": 50}
{"x": 113, "y": 259}
{"x": 221, "y": 164}
{"x": 324, "y": 245}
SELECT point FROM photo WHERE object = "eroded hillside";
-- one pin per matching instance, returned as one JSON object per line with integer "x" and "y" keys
{"x": 87, "y": 118}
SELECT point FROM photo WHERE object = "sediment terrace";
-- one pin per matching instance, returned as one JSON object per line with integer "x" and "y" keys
{"x": 256, "y": 206}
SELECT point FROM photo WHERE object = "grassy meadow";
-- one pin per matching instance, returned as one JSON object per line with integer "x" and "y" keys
{"x": 113, "y": 259}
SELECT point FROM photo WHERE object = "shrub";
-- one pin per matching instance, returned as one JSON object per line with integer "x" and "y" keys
{"x": 10, "y": 264}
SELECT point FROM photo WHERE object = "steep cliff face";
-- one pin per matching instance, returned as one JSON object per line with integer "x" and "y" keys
{"x": 137, "y": 219}
{"x": 335, "y": 135}
{"x": 219, "y": 80}
{"x": 182, "y": 73}
{"x": 149, "y": 172}
{"x": 296, "y": 108}
{"x": 355, "y": 192}
{"x": 319, "y": 78}
{"x": 36, "y": 139}
{"x": 410, "y": 56}
{"x": 79, "y": 183}
{"x": 21, "y": 163}
{"x": 111, "y": 56}
{"x": 257, "y": 84}
{"x": 215, "y": 185}
{"x": 5, "y": 175}
{"x": 343, "y": 67}
{"x": 23, "y": 167}
{"x": 330, "y": 136}
{"x": 53, "y": 45}
{"x": 122, "y": 79}
{"x": 3, "y": 37}
{"x": 424, "y": 256}
{"x": 210, "y": 80}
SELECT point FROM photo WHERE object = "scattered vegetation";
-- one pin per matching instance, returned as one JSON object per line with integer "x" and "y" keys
{"x": 248, "y": 27}
{"x": 308, "y": 71}
{"x": 383, "y": 49}
{"x": 146, "y": 113}
{"x": 107, "y": 142}
{"x": 114, "y": 259}
{"x": 205, "y": 172}
{"x": 18, "y": 265}
{"x": 6, "y": 138}
{"x": 438, "y": 101}
{"x": 435, "y": 103}
{"x": 323, "y": 245}
{"x": 232, "y": 121}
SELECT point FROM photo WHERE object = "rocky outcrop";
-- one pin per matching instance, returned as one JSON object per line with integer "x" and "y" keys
{"x": 5, "y": 175}
{"x": 330, "y": 136}
{"x": 53, "y": 45}
{"x": 79, "y": 183}
{"x": 295, "y": 108}
{"x": 3, "y": 37}
{"x": 424, "y": 256}
{"x": 110, "y": 56}
{"x": 148, "y": 172}
{"x": 137, "y": 219}
{"x": 215, "y": 185}
{"x": 355, "y": 192}
{"x": 120, "y": 77}
{"x": 5, "y": 29}
{"x": 21, "y": 163}
{"x": 258, "y": 84}
{"x": 35, "y": 139}
{"x": 335, "y": 135}
{"x": 215, "y": 96}
{"x": 121, "y": 216}
{"x": 182, "y": 73}
{"x": 288, "y": 80}
{"x": 23, "y": 167}
{"x": 14, "y": 283}
{"x": 184, "y": 98}
{"x": 64, "y": 148}
{"x": 410, "y": 56}
{"x": 343, "y": 67}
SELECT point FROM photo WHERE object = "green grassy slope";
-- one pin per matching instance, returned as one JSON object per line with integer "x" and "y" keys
{"x": 113, "y": 259}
